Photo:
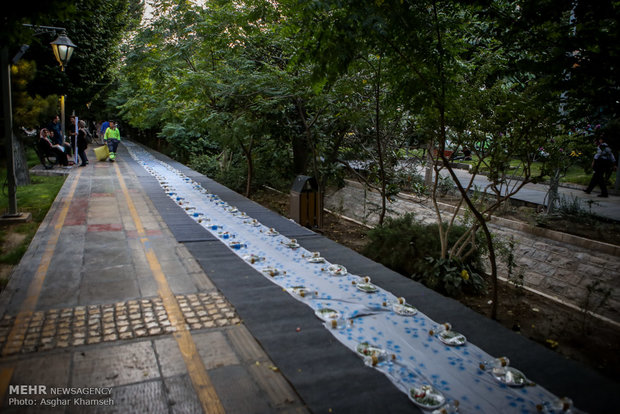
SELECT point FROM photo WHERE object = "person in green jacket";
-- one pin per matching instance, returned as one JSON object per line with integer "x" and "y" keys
{"x": 112, "y": 137}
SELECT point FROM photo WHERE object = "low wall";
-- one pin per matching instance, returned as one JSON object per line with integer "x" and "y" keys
{"x": 555, "y": 264}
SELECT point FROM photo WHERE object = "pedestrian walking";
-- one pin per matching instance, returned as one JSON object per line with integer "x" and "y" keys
{"x": 112, "y": 137}
{"x": 82, "y": 142}
{"x": 604, "y": 161}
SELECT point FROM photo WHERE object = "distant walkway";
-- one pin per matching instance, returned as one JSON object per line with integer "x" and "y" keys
{"x": 532, "y": 193}
{"x": 537, "y": 193}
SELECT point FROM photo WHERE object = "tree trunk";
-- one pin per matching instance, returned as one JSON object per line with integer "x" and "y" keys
{"x": 552, "y": 194}
{"x": 301, "y": 142}
{"x": 248, "y": 184}
{"x": 483, "y": 225}
{"x": 247, "y": 151}
{"x": 493, "y": 261}
{"x": 428, "y": 172}
{"x": 380, "y": 147}
{"x": 300, "y": 153}
{"x": 22, "y": 175}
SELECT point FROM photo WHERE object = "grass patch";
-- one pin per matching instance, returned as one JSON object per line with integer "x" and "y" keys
{"x": 36, "y": 199}
{"x": 574, "y": 175}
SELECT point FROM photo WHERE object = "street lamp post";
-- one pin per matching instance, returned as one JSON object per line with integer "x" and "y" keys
{"x": 12, "y": 213}
{"x": 63, "y": 49}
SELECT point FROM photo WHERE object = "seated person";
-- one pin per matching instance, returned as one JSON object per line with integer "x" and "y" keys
{"x": 466, "y": 155}
{"x": 59, "y": 151}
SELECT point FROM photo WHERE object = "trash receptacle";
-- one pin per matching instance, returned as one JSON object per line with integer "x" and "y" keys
{"x": 306, "y": 203}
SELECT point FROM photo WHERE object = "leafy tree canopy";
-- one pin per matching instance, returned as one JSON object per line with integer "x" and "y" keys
{"x": 96, "y": 27}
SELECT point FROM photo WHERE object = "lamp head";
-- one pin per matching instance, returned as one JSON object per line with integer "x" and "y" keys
{"x": 63, "y": 49}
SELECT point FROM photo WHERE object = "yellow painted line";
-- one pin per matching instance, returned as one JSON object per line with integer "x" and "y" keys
{"x": 198, "y": 373}
{"x": 5, "y": 380}
{"x": 16, "y": 337}
{"x": 17, "y": 334}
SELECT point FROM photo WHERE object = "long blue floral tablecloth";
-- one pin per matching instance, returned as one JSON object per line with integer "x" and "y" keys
{"x": 389, "y": 334}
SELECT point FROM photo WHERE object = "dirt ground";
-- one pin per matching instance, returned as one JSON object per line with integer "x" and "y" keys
{"x": 565, "y": 330}
{"x": 583, "y": 225}
{"x": 578, "y": 222}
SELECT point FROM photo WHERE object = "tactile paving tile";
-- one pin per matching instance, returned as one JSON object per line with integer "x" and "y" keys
{"x": 92, "y": 324}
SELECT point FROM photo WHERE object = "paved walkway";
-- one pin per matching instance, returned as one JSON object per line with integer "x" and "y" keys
{"x": 107, "y": 298}
{"x": 122, "y": 303}
{"x": 537, "y": 194}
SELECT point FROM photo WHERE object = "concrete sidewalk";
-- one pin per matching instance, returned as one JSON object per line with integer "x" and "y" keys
{"x": 107, "y": 312}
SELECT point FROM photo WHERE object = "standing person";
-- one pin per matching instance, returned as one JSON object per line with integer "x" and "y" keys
{"x": 55, "y": 129}
{"x": 112, "y": 137}
{"x": 98, "y": 136}
{"x": 72, "y": 134}
{"x": 92, "y": 129}
{"x": 82, "y": 143}
{"x": 104, "y": 126}
{"x": 603, "y": 162}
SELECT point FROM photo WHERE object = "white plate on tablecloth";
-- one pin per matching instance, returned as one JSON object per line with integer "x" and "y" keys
{"x": 427, "y": 397}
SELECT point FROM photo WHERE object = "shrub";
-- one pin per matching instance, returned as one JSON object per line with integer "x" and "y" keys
{"x": 413, "y": 249}
{"x": 228, "y": 171}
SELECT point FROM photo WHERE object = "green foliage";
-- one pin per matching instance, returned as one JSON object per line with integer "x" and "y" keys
{"x": 229, "y": 168}
{"x": 224, "y": 168}
{"x": 35, "y": 198}
{"x": 561, "y": 152}
{"x": 592, "y": 84}
{"x": 452, "y": 277}
{"x": 97, "y": 28}
{"x": 515, "y": 275}
{"x": 217, "y": 78}
{"x": 274, "y": 167}
{"x": 25, "y": 12}
{"x": 29, "y": 111}
{"x": 99, "y": 33}
{"x": 595, "y": 298}
{"x": 205, "y": 164}
{"x": 413, "y": 249}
